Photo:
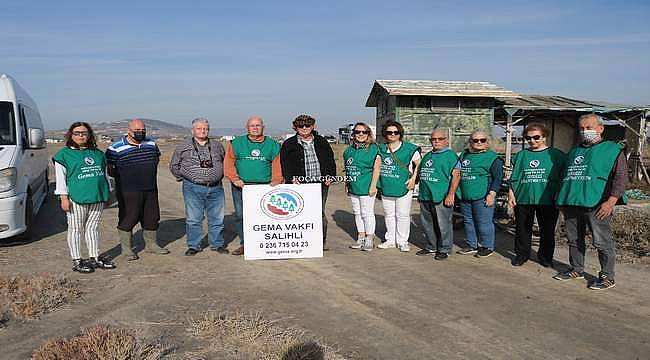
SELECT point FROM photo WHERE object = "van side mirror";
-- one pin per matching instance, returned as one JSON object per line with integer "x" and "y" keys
{"x": 36, "y": 138}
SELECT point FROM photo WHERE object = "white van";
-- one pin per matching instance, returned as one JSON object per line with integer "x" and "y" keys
{"x": 23, "y": 159}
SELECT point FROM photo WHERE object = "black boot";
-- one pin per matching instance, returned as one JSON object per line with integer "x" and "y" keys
{"x": 100, "y": 263}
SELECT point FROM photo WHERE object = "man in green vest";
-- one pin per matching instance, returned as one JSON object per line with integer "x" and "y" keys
{"x": 593, "y": 181}
{"x": 251, "y": 159}
{"x": 439, "y": 173}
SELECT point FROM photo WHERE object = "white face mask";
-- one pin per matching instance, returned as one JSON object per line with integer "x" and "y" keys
{"x": 589, "y": 136}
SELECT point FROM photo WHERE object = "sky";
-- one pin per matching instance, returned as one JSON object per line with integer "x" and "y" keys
{"x": 174, "y": 61}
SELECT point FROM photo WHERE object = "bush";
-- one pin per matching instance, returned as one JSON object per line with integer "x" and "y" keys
{"x": 631, "y": 228}
{"x": 100, "y": 342}
{"x": 28, "y": 296}
{"x": 250, "y": 336}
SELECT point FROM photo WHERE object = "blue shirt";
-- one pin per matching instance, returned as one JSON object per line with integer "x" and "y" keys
{"x": 135, "y": 167}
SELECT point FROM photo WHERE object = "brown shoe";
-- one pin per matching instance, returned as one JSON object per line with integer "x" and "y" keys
{"x": 238, "y": 251}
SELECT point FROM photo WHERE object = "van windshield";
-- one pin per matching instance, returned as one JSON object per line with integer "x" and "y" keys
{"x": 7, "y": 124}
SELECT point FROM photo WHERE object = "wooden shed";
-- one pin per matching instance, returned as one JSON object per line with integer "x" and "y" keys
{"x": 423, "y": 105}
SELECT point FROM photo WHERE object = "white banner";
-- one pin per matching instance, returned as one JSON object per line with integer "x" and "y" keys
{"x": 282, "y": 222}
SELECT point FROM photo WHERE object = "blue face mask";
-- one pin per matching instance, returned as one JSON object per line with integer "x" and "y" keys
{"x": 589, "y": 136}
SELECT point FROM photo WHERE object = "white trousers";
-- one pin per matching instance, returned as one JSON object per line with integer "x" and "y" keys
{"x": 397, "y": 212}
{"x": 363, "y": 208}
{"x": 83, "y": 220}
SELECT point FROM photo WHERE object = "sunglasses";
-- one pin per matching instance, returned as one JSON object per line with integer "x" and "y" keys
{"x": 303, "y": 126}
{"x": 481, "y": 140}
{"x": 391, "y": 133}
{"x": 534, "y": 137}
{"x": 438, "y": 139}
{"x": 357, "y": 132}
{"x": 80, "y": 133}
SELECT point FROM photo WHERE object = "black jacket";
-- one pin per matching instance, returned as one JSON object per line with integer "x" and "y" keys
{"x": 292, "y": 158}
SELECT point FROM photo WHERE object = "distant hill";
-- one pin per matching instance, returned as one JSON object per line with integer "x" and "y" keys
{"x": 157, "y": 129}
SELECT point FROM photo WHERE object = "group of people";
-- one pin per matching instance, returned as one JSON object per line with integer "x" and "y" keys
{"x": 585, "y": 185}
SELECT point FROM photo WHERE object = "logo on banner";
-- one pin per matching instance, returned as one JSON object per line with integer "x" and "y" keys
{"x": 255, "y": 152}
{"x": 534, "y": 163}
{"x": 282, "y": 204}
{"x": 89, "y": 160}
{"x": 578, "y": 160}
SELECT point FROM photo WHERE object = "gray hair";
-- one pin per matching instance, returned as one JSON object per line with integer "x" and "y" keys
{"x": 200, "y": 120}
{"x": 442, "y": 130}
{"x": 479, "y": 131}
{"x": 599, "y": 119}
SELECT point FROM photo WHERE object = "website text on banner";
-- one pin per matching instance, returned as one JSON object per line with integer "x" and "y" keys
{"x": 282, "y": 222}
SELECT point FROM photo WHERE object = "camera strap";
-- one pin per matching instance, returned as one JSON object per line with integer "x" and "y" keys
{"x": 198, "y": 154}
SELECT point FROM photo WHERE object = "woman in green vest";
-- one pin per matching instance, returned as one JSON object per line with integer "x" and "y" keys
{"x": 362, "y": 167}
{"x": 399, "y": 162}
{"x": 481, "y": 173}
{"x": 534, "y": 183}
{"x": 83, "y": 188}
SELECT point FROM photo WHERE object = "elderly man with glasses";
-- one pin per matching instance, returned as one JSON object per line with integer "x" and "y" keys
{"x": 198, "y": 164}
{"x": 307, "y": 157}
{"x": 481, "y": 174}
{"x": 439, "y": 177}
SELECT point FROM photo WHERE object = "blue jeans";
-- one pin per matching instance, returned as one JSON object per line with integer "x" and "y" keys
{"x": 237, "y": 203}
{"x": 479, "y": 227}
{"x": 201, "y": 200}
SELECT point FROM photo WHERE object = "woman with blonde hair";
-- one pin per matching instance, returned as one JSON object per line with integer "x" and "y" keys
{"x": 481, "y": 174}
{"x": 362, "y": 173}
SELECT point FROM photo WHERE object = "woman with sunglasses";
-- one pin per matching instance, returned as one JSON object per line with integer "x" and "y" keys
{"x": 534, "y": 183}
{"x": 83, "y": 188}
{"x": 481, "y": 174}
{"x": 399, "y": 163}
{"x": 362, "y": 173}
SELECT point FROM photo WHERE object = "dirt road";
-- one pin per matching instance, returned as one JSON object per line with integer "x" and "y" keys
{"x": 379, "y": 305}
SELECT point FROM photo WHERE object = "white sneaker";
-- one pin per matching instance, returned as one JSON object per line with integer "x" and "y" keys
{"x": 368, "y": 244}
{"x": 357, "y": 244}
{"x": 404, "y": 248}
{"x": 386, "y": 245}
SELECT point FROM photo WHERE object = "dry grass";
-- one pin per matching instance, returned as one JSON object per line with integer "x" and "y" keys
{"x": 631, "y": 229}
{"x": 28, "y": 296}
{"x": 100, "y": 342}
{"x": 250, "y": 336}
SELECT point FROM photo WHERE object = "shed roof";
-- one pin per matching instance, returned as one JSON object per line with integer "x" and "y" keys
{"x": 435, "y": 88}
{"x": 557, "y": 103}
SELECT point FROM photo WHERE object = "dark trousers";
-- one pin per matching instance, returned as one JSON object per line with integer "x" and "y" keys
{"x": 577, "y": 219}
{"x": 138, "y": 207}
{"x": 324, "y": 191}
{"x": 547, "y": 219}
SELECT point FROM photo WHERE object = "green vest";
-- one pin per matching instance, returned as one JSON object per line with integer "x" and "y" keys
{"x": 536, "y": 175}
{"x": 253, "y": 160}
{"x": 359, "y": 163}
{"x": 85, "y": 174}
{"x": 586, "y": 174}
{"x": 475, "y": 173}
{"x": 435, "y": 175}
{"x": 393, "y": 177}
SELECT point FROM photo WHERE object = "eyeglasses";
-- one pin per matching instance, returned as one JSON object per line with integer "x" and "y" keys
{"x": 534, "y": 137}
{"x": 391, "y": 133}
{"x": 365, "y": 132}
{"x": 303, "y": 126}
{"x": 481, "y": 140}
{"x": 438, "y": 139}
{"x": 80, "y": 133}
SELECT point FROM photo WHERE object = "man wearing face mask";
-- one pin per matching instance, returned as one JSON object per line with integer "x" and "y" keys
{"x": 133, "y": 162}
{"x": 594, "y": 179}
